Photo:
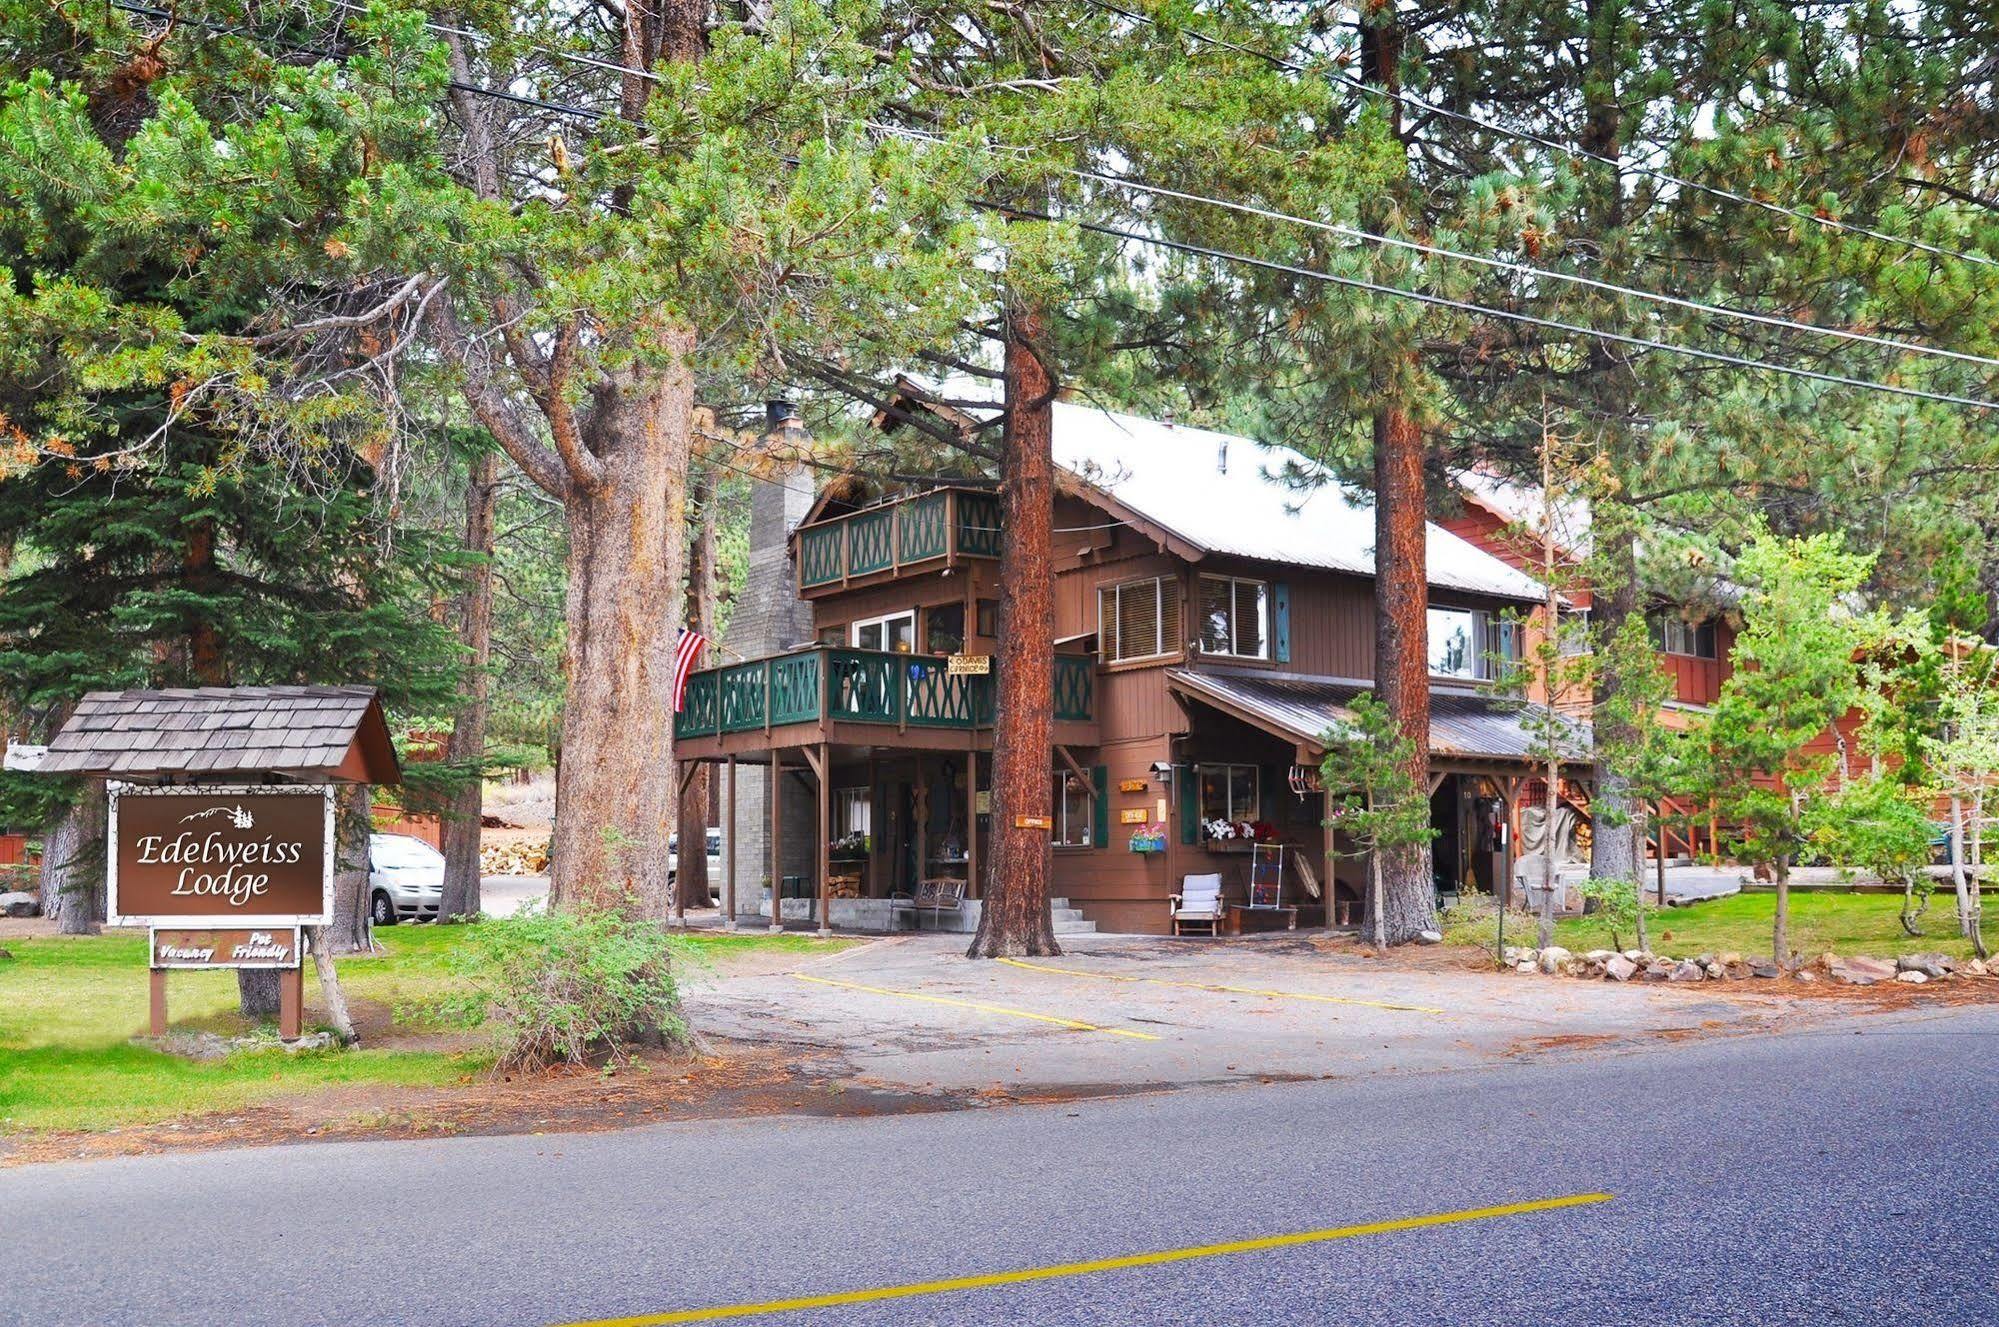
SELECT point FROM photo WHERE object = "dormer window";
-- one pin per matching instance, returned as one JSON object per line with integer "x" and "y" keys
{"x": 1471, "y": 644}
{"x": 1235, "y": 617}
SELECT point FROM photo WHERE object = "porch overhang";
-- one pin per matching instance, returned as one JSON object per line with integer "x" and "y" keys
{"x": 1470, "y": 732}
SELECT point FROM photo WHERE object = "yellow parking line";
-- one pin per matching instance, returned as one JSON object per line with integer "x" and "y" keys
{"x": 1228, "y": 990}
{"x": 983, "y": 1008}
{"x": 1060, "y": 1270}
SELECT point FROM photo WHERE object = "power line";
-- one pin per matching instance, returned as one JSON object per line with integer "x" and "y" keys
{"x": 1529, "y": 136}
{"x": 1333, "y": 228}
{"x": 1356, "y": 283}
{"x": 1486, "y": 260}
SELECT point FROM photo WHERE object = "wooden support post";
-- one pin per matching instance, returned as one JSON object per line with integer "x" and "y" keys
{"x": 291, "y": 1003}
{"x": 972, "y": 887}
{"x": 776, "y": 842}
{"x": 158, "y": 1023}
{"x": 729, "y": 855}
{"x": 1330, "y": 891}
{"x": 823, "y": 767}
{"x": 1510, "y": 787}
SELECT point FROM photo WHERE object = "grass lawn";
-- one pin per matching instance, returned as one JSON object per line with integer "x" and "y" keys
{"x": 69, "y": 1006}
{"x": 1820, "y": 922}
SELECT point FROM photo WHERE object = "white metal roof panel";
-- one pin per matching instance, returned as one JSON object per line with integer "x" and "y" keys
{"x": 1224, "y": 494}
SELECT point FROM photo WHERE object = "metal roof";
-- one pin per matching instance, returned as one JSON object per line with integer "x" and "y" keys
{"x": 1230, "y": 495}
{"x": 1304, "y": 708}
{"x": 227, "y": 731}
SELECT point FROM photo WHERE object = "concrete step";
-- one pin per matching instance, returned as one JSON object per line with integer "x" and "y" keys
{"x": 1067, "y": 926}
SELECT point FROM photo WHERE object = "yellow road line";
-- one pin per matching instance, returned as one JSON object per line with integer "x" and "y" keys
{"x": 1060, "y": 1270}
{"x": 984, "y": 1008}
{"x": 1228, "y": 990}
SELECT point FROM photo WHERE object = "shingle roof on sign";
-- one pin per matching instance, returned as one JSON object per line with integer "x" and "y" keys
{"x": 1177, "y": 478}
{"x": 297, "y": 730}
{"x": 1305, "y": 707}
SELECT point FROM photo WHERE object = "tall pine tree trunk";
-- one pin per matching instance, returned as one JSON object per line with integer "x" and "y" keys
{"x": 627, "y": 553}
{"x": 1014, "y": 919}
{"x": 1615, "y": 849}
{"x": 352, "y": 929}
{"x": 694, "y": 886}
{"x": 619, "y": 469}
{"x": 468, "y": 732}
{"x": 72, "y": 870}
{"x": 1402, "y": 652}
{"x": 1401, "y": 585}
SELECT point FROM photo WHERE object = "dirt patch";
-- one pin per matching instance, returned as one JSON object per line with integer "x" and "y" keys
{"x": 732, "y": 1080}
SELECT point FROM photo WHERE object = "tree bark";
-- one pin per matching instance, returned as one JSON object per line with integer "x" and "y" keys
{"x": 1401, "y": 580}
{"x": 352, "y": 929}
{"x": 694, "y": 886}
{"x": 329, "y": 986}
{"x": 1780, "y": 934}
{"x": 627, "y": 543}
{"x": 71, "y": 880}
{"x": 468, "y": 731}
{"x": 619, "y": 469}
{"x": 1014, "y": 919}
{"x": 258, "y": 993}
{"x": 1402, "y": 653}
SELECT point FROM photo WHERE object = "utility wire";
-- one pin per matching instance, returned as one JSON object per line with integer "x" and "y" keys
{"x": 1529, "y": 136}
{"x": 1355, "y": 283}
{"x": 1333, "y": 228}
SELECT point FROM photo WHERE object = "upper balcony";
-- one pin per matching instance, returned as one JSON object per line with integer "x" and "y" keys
{"x": 848, "y": 697}
{"x": 921, "y": 532}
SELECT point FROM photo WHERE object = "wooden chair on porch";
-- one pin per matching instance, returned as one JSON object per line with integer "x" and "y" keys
{"x": 1199, "y": 903}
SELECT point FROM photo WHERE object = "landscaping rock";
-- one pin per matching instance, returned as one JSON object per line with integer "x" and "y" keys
{"x": 1636, "y": 955}
{"x": 1552, "y": 958}
{"x": 1600, "y": 955}
{"x": 1685, "y": 970}
{"x": 1713, "y": 971}
{"x": 1514, "y": 954}
{"x": 1977, "y": 967}
{"x": 16, "y": 903}
{"x": 1806, "y": 974}
{"x": 1659, "y": 969}
{"x": 1765, "y": 970}
{"x": 1429, "y": 937}
{"x": 1912, "y": 977}
{"x": 1728, "y": 959}
{"x": 1860, "y": 971}
{"x": 1736, "y": 970}
{"x": 1930, "y": 965}
{"x": 1526, "y": 965}
{"x": 1620, "y": 968}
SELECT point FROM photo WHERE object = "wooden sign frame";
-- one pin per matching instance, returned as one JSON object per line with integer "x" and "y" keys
{"x": 223, "y": 921}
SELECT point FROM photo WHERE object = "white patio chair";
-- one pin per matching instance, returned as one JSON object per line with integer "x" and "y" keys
{"x": 1199, "y": 903}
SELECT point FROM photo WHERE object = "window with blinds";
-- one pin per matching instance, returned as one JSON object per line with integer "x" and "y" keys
{"x": 1234, "y": 616}
{"x": 1139, "y": 619}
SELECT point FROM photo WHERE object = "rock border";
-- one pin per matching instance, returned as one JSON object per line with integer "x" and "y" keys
{"x": 1641, "y": 965}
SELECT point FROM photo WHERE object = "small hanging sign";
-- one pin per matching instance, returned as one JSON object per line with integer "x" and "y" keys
{"x": 1131, "y": 785}
{"x": 1033, "y": 822}
{"x": 1136, "y": 815}
{"x": 276, "y": 947}
{"x": 969, "y": 665}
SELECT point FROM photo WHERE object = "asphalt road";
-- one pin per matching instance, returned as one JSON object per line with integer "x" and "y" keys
{"x": 1847, "y": 1176}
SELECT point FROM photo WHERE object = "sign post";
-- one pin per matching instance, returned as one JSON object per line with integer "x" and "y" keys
{"x": 225, "y": 877}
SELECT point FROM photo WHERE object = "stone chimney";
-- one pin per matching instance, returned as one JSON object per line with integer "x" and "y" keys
{"x": 769, "y": 618}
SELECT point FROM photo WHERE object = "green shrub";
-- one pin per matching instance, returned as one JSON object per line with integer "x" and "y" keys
{"x": 1616, "y": 904}
{"x": 568, "y": 987}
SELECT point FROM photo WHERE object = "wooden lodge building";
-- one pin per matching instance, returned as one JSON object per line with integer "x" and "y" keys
{"x": 1213, "y": 617}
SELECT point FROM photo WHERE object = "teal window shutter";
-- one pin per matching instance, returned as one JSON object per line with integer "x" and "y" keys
{"x": 1100, "y": 823}
{"x": 1280, "y": 622}
{"x": 1190, "y": 803}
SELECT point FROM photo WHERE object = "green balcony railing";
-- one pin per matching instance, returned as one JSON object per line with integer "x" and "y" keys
{"x": 912, "y": 531}
{"x": 835, "y": 684}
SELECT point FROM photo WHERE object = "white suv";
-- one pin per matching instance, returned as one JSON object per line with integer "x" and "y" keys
{"x": 405, "y": 879}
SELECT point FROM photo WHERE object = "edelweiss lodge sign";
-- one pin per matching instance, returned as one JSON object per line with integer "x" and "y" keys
{"x": 220, "y": 856}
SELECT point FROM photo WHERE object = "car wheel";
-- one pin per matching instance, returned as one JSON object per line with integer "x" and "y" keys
{"x": 382, "y": 911}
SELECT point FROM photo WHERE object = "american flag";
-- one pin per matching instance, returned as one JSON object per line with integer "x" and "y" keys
{"x": 684, "y": 655}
